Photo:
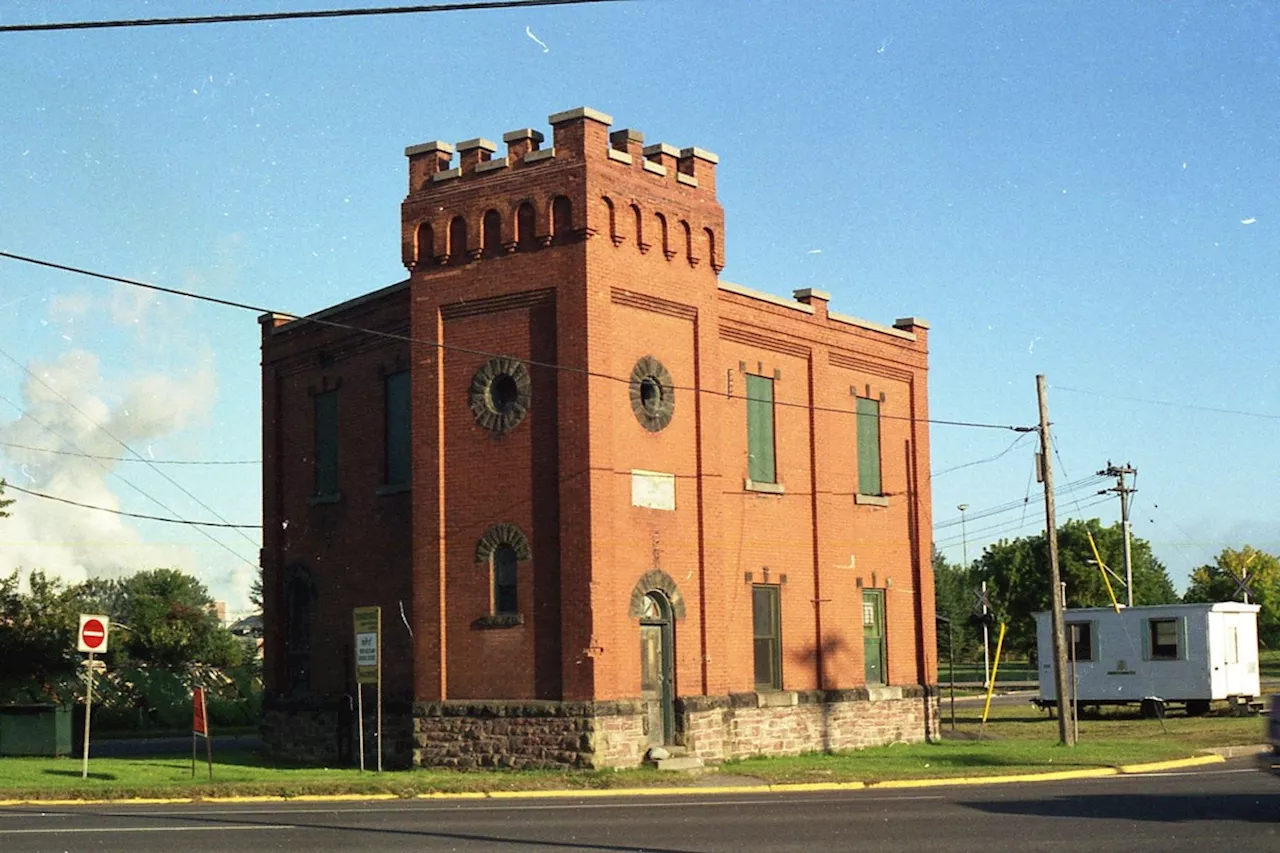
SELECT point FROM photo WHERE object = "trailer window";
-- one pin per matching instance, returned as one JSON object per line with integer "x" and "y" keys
{"x": 1164, "y": 639}
{"x": 1080, "y": 635}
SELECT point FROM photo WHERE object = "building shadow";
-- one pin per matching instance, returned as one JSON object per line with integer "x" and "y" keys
{"x": 1157, "y": 808}
{"x": 818, "y": 657}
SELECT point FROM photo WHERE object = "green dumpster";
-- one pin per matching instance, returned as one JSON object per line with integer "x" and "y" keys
{"x": 36, "y": 729}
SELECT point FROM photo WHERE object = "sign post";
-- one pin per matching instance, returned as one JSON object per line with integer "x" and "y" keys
{"x": 200, "y": 728}
{"x": 92, "y": 638}
{"x": 368, "y": 630}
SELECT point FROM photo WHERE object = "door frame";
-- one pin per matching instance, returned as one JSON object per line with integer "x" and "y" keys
{"x": 878, "y": 596}
{"x": 665, "y": 622}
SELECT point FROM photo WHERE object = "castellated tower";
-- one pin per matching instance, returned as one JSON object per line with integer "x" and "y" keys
{"x": 605, "y": 500}
{"x": 542, "y": 256}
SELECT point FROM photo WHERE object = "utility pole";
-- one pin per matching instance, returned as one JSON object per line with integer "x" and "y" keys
{"x": 1123, "y": 491}
{"x": 1066, "y": 734}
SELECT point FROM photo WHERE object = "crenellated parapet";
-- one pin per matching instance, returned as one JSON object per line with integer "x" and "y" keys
{"x": 589, "y": 181}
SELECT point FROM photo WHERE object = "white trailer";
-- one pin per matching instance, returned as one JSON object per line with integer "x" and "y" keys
{"x": 1187, "y": 654}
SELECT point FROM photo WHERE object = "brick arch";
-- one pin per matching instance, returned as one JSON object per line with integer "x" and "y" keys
{"x": 503, "y": 534}
{"x": 660, "y": 581}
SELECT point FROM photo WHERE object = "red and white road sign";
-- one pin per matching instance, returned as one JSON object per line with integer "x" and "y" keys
{"x": 92, "y": 636}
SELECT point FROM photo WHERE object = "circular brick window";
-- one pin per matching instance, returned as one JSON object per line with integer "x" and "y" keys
{"x": 653, "y": 396}
{"x": 500, "y": 394}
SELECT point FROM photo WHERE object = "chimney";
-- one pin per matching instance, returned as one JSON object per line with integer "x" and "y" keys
{"x": 818, "y": 299}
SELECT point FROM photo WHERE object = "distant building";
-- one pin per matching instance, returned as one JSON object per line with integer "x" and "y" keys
{"x": 623, "y": 504}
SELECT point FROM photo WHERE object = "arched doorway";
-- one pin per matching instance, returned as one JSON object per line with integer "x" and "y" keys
{"x": 657, "y": 667}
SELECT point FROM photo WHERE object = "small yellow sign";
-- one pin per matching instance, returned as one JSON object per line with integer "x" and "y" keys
{"x": 368, "y": 631}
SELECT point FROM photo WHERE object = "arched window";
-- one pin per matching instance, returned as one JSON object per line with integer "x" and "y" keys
{"x": 505, "y": 599}
{"x": 458, "y": 240}
{"x": 613, "y": 221}
{"x": 298, "y": 593}
{"x": 426, "y": 248}
{"x": 526, "y": 227}
{"x": 561, "y": 218}
{"x": 492, "y": 238}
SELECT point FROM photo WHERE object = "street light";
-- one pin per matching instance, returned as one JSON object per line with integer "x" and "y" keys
{"x": 964, "y": 536}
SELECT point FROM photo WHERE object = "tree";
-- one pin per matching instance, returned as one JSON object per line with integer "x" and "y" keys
{"x": 953, "y": 598}
{"x": 37, "y": 636}
{"x": 3, "y": 502}
{"x": 171, "y": 623}
{"x": 1217, "y": 582}
{"x": 1017, "y": 575}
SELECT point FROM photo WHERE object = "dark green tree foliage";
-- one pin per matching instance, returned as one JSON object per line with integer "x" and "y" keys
{"x": 1017, "y": 575}
{"x": 37, "y": 635}
{"x": 953, "y": 598}
{"x": 170, "y": 622}
{"x": 1217, "y": 582}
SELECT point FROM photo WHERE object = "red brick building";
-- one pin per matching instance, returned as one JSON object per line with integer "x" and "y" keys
{"x": 605, "y": 499}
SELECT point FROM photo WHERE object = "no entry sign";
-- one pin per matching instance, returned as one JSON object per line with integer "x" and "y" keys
{"x": 92, "y": 636}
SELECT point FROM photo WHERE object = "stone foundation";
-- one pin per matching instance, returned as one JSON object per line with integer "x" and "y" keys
{"x": 529, "y": 734}
{"x": 585, "y": 735}
{"x": 788, "y": 723}
{"x": 323, "y": 730}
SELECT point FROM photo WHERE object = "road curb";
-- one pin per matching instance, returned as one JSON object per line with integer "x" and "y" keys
{"x": 1176, "y": 764}
{"x": 665, "y": 791}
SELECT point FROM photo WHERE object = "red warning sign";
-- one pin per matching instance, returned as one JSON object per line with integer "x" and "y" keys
{"x": 199, "y": 718}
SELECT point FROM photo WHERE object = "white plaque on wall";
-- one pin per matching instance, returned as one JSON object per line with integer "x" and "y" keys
{"x": 653, "y": 490}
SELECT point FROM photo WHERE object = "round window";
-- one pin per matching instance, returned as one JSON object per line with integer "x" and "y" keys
{"x": 653, "y": 397}
{"x": 503, "y": 393}
{"x": 500, "y": 394}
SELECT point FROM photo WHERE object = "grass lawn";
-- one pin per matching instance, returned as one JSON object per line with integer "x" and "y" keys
{"x": 1017, "y": 739}
{"x": 246, "y": 774}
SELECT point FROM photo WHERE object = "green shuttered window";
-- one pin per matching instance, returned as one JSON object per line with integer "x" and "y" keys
{"x": 326, "y": 449}
{"x": 869, "y": 482}
{"x": 397, "y": 429}
{"x": 760, "y": 448}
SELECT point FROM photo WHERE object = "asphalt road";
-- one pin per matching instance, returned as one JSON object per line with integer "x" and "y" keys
{"x": 1231, "y": 806}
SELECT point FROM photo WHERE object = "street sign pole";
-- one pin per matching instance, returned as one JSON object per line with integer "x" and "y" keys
{"x": 91, "y": 637}
{"x": 88, "y": 705}
{"x": 367, "y": 622}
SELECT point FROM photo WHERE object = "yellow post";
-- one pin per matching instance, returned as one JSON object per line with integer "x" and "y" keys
{"x": 991, "y": 688}
{"x": 1102, "y": 567}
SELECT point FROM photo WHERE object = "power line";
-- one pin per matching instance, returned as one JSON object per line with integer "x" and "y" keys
{"x": 130, "y": 459}
{"x": 291, "y": 16}
{"x": 1169, "y": 403}
{"x": 36, "y": 494}
{"x": 1009, "y": 506}
{"x": 581, "y": 371}
{"x": 206, "y": 534}
{"x": 999, "y": 455}
{"x": 1007, "y": 527}
{"x": 31, "y": 373}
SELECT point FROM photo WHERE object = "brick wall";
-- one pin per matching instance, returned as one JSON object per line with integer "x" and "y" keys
{"x": 629, "y": 270}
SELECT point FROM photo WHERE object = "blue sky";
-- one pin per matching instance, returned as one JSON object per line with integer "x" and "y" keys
{"x": 1083, "y": 190}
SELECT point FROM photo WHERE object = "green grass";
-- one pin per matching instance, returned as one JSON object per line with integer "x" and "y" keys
{"x": 247, "y": 774}
{"x": 1017, "y": 739}
{"x": 1269, "y": 663}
